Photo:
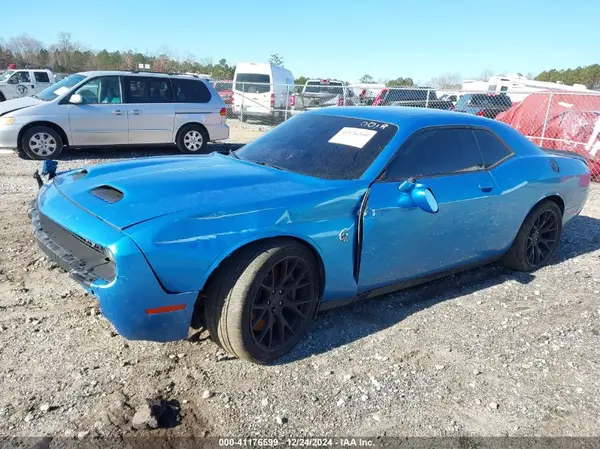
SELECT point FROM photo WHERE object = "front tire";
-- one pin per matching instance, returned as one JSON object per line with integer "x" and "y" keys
{"x": 262, "y": 301}
{"x": 538, "y": 239}
{"x": 192, "y": 139}
{"x": 42, "y": 142}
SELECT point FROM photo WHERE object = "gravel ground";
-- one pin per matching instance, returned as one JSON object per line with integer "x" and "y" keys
{"x": 488, "y": 352}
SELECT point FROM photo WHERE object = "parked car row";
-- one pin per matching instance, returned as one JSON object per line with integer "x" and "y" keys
{"x": 99, "y": 109}
{"x": 267, "y": 91}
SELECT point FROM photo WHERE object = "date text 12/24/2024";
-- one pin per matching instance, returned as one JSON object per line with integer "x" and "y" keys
{"x": 296, "y": 442}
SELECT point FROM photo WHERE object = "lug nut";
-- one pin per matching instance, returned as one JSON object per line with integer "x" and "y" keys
{"x": 280, "y": 303}
{"x": 281, "y": 292}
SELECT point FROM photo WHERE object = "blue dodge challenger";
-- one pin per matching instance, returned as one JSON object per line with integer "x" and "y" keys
{"x": 332, "y": 206}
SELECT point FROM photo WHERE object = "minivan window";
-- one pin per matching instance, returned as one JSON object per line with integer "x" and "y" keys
{"x": 252, "y": 83}
{"x": 322, "y": 146}
{"x": 190, "y": 91}
{"x": 105, "y": 89}
{"x": 60, "y": 88}
{"x": 140, "y": 89}
{"x": 435, "y": 152}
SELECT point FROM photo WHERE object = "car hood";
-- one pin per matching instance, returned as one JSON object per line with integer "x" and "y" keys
{"x": 18, "y": 103}
{"x": 126, "y": 193}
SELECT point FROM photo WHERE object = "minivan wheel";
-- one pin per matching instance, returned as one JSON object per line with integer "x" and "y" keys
{"x": 192, "y": 139}
{"x": 42, "y": 142}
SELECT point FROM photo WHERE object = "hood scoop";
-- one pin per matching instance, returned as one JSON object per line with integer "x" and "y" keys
{"x": 107, "y": 193}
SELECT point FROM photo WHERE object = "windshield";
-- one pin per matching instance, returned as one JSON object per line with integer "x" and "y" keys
{"x": 409, "y": 95}
{"x": 318, "y": 87}
{"x": 483, "y": 101}
{"x": 322, "y": 146}
{"x": 6, "y": 75}
{"x": 57, "y": 89}
{"x": 255, "y": 83}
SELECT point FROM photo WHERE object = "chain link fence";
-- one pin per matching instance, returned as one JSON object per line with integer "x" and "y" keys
{"x": 564, "y": 120}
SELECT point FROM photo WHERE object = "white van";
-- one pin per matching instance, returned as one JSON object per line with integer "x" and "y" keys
{"x": 261, "y": 90}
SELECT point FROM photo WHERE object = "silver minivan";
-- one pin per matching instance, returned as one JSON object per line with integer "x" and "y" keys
{"x": 99, "y": 109}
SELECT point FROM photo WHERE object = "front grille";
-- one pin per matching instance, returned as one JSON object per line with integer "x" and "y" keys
{"x": 84, "y": 260}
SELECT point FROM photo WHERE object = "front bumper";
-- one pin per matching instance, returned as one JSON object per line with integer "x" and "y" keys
{"x": 9, "y": 136}
{"x": 109, "y": 265}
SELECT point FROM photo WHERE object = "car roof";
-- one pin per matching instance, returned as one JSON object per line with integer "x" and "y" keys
{"x": 398, "y": 114}
{"x": 138, "y": 73}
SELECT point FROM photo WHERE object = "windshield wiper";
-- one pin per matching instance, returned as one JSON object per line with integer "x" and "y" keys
{"x": 268, "y": 164}
{"x": 232, "y": 153}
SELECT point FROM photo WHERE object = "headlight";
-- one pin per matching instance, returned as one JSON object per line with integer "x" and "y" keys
{"x": 7, "y": 120}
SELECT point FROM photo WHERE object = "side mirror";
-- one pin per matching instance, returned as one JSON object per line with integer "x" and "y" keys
{"x": 13, "y": 80}
{"x": 76, "y": 99}
{"x": 424, "y": 199}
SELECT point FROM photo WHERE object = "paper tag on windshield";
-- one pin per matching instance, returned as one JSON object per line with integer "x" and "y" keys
{"x": 61, "y": 90}
{"x": 354, "y": 137}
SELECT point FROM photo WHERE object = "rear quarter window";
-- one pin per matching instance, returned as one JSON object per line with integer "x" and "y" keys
{"x": 190, "y": 91}
{"x": 492, "y": 149}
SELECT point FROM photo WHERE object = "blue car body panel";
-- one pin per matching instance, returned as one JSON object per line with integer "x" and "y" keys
{"x": 180, "y": 217}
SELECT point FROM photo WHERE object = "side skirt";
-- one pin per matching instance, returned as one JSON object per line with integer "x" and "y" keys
{"x": 328, "y": 305}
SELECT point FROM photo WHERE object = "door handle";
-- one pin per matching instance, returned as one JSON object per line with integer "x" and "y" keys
{"x": 117, "y": 112}
{"x": 136, "y": 112}
{"x": 486, "y": 187}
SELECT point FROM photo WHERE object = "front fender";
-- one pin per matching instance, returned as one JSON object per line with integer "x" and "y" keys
{"x": 185, "y": 249}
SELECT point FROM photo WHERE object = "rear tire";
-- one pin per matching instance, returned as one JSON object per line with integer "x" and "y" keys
{"x": 192, "y": 139}
{"x": 2, "y": 97}
{"x": 41, "y": 143}
{"x": 261, "y": 302}
{"x": 538, "y": 239}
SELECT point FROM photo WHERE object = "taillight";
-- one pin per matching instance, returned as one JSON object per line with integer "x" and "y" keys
{"x": 272, "y": 100}
{"x": 480, "y": 113}
{"x": 452, "y": 108}
{"x": 293, "y": 100}
{"x": 223, "y": 112}
{"x": 340, "y": 101}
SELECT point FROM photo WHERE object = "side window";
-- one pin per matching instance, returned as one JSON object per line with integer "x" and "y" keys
{"x": 492, "y": 149}
{"x": 41, "y": 77}
{"x": 190, "y": 91}
{"x": 436, "y": 152}
{"x": 105, "y": 89}
{"x": 148, "y": 90}
{"x": 20, "y": 77}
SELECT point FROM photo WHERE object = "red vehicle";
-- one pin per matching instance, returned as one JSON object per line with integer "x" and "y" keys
{"x": 571, "y": 122}
{"x": 225, "y": 90}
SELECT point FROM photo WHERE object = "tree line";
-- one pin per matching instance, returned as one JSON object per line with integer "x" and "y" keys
{"x": 68, "y": 56}
{"x": 586, "y": 75}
